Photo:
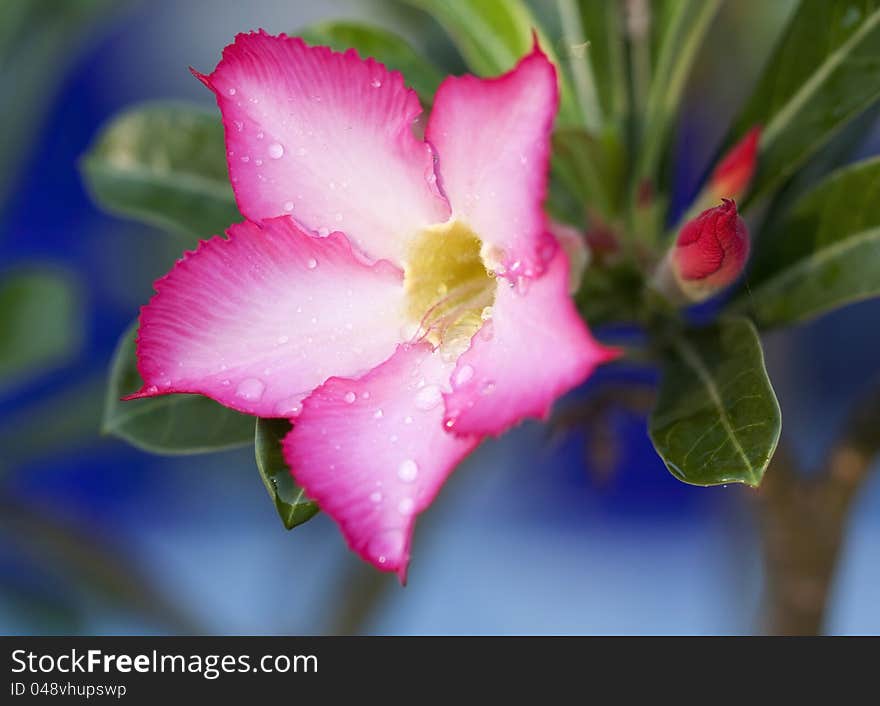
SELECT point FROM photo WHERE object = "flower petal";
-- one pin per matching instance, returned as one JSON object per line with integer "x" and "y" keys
{"x": 327, "y": 138}
{"x": 492, "y": 138}
{"x": 373, "y": 452}
{"x": 261, "y": 319}
{"x": 535, "y": 348}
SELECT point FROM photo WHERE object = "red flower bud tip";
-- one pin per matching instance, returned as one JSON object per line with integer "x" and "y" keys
{"x": 734, "y": 172}
{"x": 710, "y": 252}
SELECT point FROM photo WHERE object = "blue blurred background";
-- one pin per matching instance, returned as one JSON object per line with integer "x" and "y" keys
{"x": 530, "y": 535}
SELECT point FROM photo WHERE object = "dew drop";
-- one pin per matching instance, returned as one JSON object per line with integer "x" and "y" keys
{"x": 231, "y": 91}
{"x": 428, "y": 397}
{"x": 312, "y": 263}
{"x": 385, "y": 546}
{"x": 376, "y": 83}
{"x": 288, "y": 408}
{"x": 323, "y": 232}
{"x": 350, "y": 397}
{"x": 406, "y": 506}
{"x": 463, "y": 375}
{"x": 250, "y": 389}
{"x": 408, "y": 471}
{"x": 245, "y": 159}
{"x": 288, "y": 206}
{"x": 488, "y": 388}
{"x": 239, "y": 125}
{"x": 407, "y": 420}
{"x": 376, "y": 497}
{"x": 378, "y": 414}
{"x": 276, "y": 151}
{"x": 282, "y": 340}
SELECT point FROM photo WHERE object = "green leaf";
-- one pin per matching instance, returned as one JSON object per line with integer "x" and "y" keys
{"x": 40, "y": 322}
{"x": 717, "y": 419}
{"x": 384, "y": 46}
{"x": 170, "y": 424}
{"x": 824, "y": 254}
{"x": 823, "y": 73}
{"x": 602, "y": 29}
{"x": 164, "y": 164}
{"x": 684, "y": 25}
{"x": 290, "y": 500}
{"x": 493, "y": 36}
{"x": 592, "y": 167}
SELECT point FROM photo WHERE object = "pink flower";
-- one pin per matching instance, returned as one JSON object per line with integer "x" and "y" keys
{"x": 710, "y": 252}
{"x": 731, "y": 177}
{"x": 399, "y": 299}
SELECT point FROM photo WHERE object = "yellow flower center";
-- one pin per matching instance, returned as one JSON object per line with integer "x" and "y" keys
{"x": 449, "y": 291}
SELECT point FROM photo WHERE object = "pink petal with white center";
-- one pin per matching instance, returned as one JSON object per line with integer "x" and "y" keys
{"x": 261, "y": 319}
{"x": 535, "y": 348}
{"x": 327, "y": 138}
{"x": 492, "y": 138}
{"x": 373, "y": 452}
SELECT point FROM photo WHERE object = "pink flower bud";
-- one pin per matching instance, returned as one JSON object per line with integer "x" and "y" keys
{"x": 709, "y": 254}
{"x": 734, "y": 172}
{"x": 711, "y": 250}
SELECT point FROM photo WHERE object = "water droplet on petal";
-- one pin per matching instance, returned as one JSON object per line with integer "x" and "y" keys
{"x": 323, "y": 232}
{"x": 406, "y": 506}
{"x": 288, "y": 206}
{"x": 312, "y": 263}
{"x": 250, "y": 389}
{"x": 378, "y": 414}
{"x": 408, "y": 471}
{"x": 231, "y": 91}
{"x": 276, "y": 150}
{"x": 428, "y": 397}
{"x": 283, "y": 339}
{"x": 376, "y": 497}
{"x": 387, "y": 545}
{"x": 488, "y": 388}
{"x": 350, "y": 397}
{"x": 288, "y": 408}
{"x": 376, "y": 83}
{"x": 463, "y": 375}
{"x": 238, "y": 124}
{"x": 407, "y": 420}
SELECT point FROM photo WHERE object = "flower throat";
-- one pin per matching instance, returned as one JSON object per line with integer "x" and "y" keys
{"x": 449, "y": 290}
